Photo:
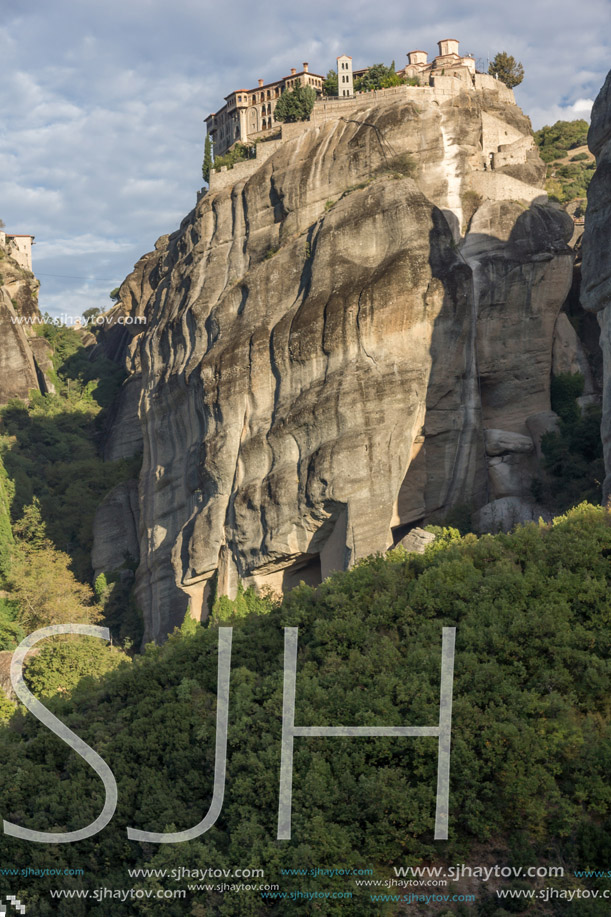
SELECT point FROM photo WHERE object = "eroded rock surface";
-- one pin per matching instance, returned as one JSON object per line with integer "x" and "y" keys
{"x": 19, "y": 372}
{"x": 596, "y": 267}
{"x": 115, "y": 530}
{"x": 327, "y": 340}
{"x": 416, "y": 541}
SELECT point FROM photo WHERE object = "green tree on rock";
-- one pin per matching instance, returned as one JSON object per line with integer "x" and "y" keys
{"x": 90, "y": 314}
{"x": 295, "y": 105}
{"x": 507, "y": 69}
{"x": 40, "y": 580}
{"x": 207, "y": 164}
{"x": 330, "y": 84}
{"x": 379, "y": 76}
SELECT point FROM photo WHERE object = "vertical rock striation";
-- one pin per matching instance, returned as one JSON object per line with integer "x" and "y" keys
{"x": 329, "y": 337}
{"x": 596, "y": 267}
{"x": 20, "y": 372}
{"x": 17, "y": 368}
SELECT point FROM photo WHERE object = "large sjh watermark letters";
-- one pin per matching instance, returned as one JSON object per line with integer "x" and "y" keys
{"x": 220, "y": 758}
{"x": 290, "y": 731}
{"x": 66, "y": 735}
{"x": 442, "y": 732}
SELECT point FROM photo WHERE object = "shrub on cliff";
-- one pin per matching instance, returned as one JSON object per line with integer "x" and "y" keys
{"x": 6, "y": 534}
{"x": 238, "y": 153}
{"x": 574, "y": 462}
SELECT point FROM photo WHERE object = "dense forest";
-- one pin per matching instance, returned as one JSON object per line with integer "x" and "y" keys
{"x": 52, "y": 478}
{"x": 531, "y": 745}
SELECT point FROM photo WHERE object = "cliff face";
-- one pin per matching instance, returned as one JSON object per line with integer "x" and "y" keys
{"x": 354, "y": 338}
{"x": 19, "y": 350}
{"x": 596, "y": 268}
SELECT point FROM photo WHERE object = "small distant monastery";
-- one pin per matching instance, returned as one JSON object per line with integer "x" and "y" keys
{"x": 248, "y": 114}
{"x": 18, "y": 247}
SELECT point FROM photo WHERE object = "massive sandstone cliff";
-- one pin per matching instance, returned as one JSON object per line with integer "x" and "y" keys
{"x": 350, "y": 338}
{"x": 596, "y": 270}
{"x": 23, "y": 356}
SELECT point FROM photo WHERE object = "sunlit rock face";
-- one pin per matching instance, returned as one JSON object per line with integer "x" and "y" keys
{"x": 327, "y": 341}
{"x": 20, "y": 372}
{"x": 596, "y": 269}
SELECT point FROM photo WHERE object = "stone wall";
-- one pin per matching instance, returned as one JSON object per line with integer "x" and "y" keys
{"x": 499, "y": 187}
{"x": 497, "y": 133}
{"x": 226, "y": 177}
{"x": 486, "y": 82}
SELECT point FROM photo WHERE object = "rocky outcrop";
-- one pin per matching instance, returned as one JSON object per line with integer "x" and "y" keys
{"x": 569, "y": 356}
{"x": 596, "y": 268}
{"x": 115, "y": 530}
{"x": 18, "y": 375}
{"x": 416, "y": 541}
{"x": 124, "y": 437}
{"x": 328, "y": 340}
{"x": 19, "y": 371}
{"x": 540, "y": 424}
{"x": 504, "y": 514}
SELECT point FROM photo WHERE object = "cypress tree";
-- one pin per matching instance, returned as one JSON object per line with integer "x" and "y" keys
{"x": 207, "y": 164}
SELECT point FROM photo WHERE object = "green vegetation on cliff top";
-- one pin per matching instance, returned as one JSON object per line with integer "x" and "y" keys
{"x": 570, "y": 165}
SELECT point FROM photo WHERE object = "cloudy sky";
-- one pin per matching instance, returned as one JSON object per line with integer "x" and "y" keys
{"x": 102, "y": 105}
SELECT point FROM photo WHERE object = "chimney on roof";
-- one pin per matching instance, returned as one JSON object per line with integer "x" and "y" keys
{"x": 305, "y": 66}
{"x": 293, "y": 71}
{"x": 260, "y": 81}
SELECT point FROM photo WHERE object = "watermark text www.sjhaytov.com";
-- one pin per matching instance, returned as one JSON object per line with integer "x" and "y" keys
{"x": 78, "y": 321}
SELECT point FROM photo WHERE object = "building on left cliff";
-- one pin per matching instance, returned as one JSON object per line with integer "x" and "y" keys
{"x": 249, "y": 113}
{"x": 18, "y": 247}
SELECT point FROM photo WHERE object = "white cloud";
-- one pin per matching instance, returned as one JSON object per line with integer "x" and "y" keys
{"x": 579, "y": 109}
{"x": 79, "y": 245}
{"x": 105, "y": 102}
{"x": 583, "y": 107}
